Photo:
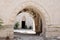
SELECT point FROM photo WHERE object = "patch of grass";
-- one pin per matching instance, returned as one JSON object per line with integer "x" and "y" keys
{"x": 1, "y": 22}
{"x": 16, "y": 25}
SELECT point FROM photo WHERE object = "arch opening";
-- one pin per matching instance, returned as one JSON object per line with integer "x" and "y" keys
{"x": 36, "y": 17}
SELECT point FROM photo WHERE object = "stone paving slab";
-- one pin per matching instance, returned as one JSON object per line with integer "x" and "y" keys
{"x": 27, "y": 37}
{"x": 31, "y": 37}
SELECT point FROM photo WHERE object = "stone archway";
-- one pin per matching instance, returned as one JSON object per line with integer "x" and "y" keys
{"x": 36, "y": 17}
{"x": 39, "y": 9}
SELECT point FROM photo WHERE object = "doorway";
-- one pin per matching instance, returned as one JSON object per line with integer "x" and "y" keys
{"x": 36, "y": 27}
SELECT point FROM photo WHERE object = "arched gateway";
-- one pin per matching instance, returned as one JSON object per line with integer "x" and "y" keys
{"x": 40, "y": 16}
{"x": 37, "y": 28}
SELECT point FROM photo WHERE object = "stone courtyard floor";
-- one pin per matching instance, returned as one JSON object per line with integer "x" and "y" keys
{"x": 18, "y": 36}
{"x": 31, "y": 37}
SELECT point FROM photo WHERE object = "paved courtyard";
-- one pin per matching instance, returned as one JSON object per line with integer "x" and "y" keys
{"x": 31, "y": 37}
{"x": 18, "y": 36}
{"x": 27, "y": 37}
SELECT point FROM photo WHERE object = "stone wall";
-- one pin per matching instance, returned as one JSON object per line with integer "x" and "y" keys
{"x": 6, "y": 30}
{"x": 50, "y": 10}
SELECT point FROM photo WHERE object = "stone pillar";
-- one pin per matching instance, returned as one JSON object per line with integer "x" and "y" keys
{"x": 37, "y": 24}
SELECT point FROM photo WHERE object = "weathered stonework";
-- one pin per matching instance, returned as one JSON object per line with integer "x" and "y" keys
{"x": 48, "y": 9}
{"x": 6, "y": 31}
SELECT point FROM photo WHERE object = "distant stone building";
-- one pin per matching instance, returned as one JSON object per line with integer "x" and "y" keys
{"x": 45, "y": 13}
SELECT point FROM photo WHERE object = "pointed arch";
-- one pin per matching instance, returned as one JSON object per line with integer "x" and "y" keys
{"x": 40, "y": 11}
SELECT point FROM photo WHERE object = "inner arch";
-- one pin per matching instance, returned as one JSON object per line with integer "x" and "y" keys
{"x": 26, "y": 17}
{"x": 37, "y": 18}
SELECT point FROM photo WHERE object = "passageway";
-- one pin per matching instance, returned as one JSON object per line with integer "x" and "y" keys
{"x": 29, "y": 19}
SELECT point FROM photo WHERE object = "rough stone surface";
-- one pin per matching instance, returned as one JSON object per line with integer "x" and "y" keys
{"x": 50, "y": 11}
{"x": 18, "y": 36}
{"x": 6, "y": 31}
